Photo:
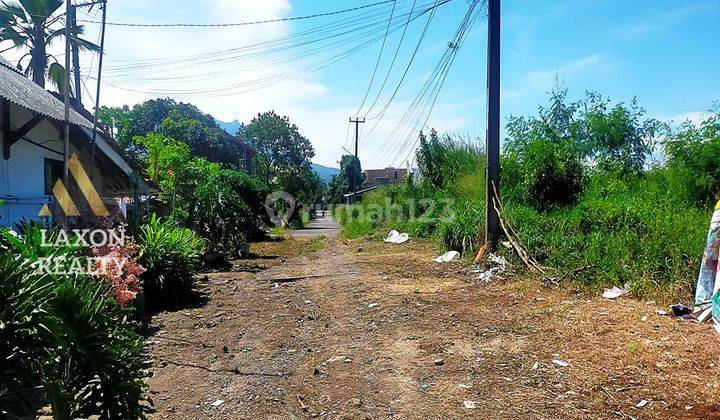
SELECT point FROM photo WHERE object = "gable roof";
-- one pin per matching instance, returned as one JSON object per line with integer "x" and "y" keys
{"x": 23, "y": 92}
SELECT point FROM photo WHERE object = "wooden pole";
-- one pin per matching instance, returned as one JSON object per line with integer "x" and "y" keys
{"x": 492, "y": 139}
{"x": 66, "y": 134}
{"x": 97, "y": 90}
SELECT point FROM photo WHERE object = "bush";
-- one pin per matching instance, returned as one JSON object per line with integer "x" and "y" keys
{"x": 545, "y": 174}
{"x": 626, "y": 230}
{"x": 223, "y": 206}
{"x": 694, "y": 161}
{"x": 171, "y": 255}
{"x": 66, "y": 333}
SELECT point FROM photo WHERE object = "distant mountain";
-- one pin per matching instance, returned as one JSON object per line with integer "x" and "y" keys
{"x": 324, "y": 172}
{"x": 231, "y": 127}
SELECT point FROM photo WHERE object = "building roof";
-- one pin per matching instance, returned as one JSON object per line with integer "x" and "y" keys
{"x": 23, "y": 92}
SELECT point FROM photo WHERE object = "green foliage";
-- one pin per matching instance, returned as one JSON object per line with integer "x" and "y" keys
{"x": 283, "y": 159}
{"x": 627, "y": 230}
{"x": 351, "y": 171}
{"x": 336, "y": 188}
{"x": 171, "y": 255}
{"x": 617, "y": 138}
{"x": 578, "y": 190}
{"x": 430, "y": 159}
{"x": 31, "y": 25}
{"x": 694, "y": 160}
{"x": 175, "y": 120}
{"x": 279, "y": 143}
{"x": 162, "y": 156}
{"x": 544, "y": 174}
{"x": 65, "y": 332}
{"x": 223, "y": 206}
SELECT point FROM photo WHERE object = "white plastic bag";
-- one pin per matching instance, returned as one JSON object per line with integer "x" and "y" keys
{"x": 447, "y": 257}
{"x": 395, "y": 237}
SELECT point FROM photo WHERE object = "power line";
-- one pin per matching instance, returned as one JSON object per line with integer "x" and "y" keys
{"x": 265, "y": 81}
{"x": 421, "y": 107}
{"x": 387, "y": 75}
{"x": 377, "y": 63}
{"x": 257, "y": 22}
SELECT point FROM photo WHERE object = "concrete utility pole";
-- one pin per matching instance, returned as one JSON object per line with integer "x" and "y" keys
{"x": 492, "y": 138}
{"x": 357, "y": 122}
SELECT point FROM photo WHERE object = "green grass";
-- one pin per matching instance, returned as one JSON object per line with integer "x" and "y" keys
{"x": 630, "y": 230}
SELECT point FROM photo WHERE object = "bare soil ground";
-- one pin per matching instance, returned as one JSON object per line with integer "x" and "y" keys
{"x": 386, "y": 332}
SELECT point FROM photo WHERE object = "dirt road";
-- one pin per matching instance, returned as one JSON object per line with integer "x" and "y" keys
{"x": 384, "y": 332}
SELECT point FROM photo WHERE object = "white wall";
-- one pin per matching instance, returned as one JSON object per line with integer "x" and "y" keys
{"x": 23, "y": 176}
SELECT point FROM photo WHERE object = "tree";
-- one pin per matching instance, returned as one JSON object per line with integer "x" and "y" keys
{"x": 177, "y": 120}
{"x": 163, "y": 156}
{"x": 351, "y": 170}
{"x": 617, "y": 138}
{"x": 430, "y": 157}
{"x": 336, "y": 188}
{"x": 31, "y": 24}
{"x": 281, "y": 147}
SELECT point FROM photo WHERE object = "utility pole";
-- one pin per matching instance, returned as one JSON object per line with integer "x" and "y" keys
{"x": 492, "y": 138}
{"x": 357, "y": 122}
{"x": 103, "y": 4}
{"x": 66, "y": 131}
{"x": 72, "y": 22}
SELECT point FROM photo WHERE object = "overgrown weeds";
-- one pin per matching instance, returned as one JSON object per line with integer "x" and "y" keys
{"x": 578, "y": 189}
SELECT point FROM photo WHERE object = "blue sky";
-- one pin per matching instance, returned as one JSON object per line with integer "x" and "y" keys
{"x": 667, "y": 53}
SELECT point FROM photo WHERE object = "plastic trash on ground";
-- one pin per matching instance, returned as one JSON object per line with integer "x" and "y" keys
{"x": 447, "y": 257}
{"x": 614, "y": 293}
{"x": 395, "y": 237}
{"x": 499, "y": 267}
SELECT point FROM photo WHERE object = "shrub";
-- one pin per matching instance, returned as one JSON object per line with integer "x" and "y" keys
{"x": 546, "y": 174}
{"x": 223, "y": 206}
{"x": 461, "y": 232}
{"x": 171, "y": 255}
{"x": 66, "y": 333}
{"x": 694, "y": 161}
{"x": 123, "y": 278}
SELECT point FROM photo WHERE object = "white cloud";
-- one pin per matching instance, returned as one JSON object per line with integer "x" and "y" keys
{"x": 694, "y": 117}
{"x": 544, "y": 79}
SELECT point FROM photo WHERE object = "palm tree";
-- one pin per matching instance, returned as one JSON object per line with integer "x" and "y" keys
{"x": 33, "y": 24}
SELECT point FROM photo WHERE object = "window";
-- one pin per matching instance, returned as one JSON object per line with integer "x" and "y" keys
{"x": 53, "y": 172}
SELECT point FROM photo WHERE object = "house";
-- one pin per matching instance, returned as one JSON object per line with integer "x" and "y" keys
{"x": 31, "y": 144}
{"x": 387, "y": 176}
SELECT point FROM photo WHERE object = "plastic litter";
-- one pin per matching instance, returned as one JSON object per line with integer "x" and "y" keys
{"x": 469, "y": 404}
{"x": 642, "y": 403}
{"x": 683, "y": 312}
{"x": 395, "y": 237}
{"x": 500, "y": 265}
{"x": 218, "y": 403}
{"x": 447, "y": 257}
{"x": 560, "y": 363}
{"x": 614, "y": 292}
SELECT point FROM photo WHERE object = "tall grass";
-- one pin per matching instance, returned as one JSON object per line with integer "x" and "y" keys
{"x": 630, "y": 229}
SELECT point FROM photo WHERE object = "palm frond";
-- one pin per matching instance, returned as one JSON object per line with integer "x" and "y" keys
{"x": 56, "y": 74}
{"x": 11, "y": 13}
{"x": 40, "y": 10}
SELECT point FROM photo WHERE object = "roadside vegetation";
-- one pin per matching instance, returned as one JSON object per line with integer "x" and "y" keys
{"x": 73, "y": 340}
{"x": 592, "y": 188}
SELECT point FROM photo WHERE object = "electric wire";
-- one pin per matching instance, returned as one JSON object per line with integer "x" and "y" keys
{"x": 258, "y": 22}
{"x": 420, "y": 109}
{"x": 377, "y": 62}
{"x": 264, "y": 82}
